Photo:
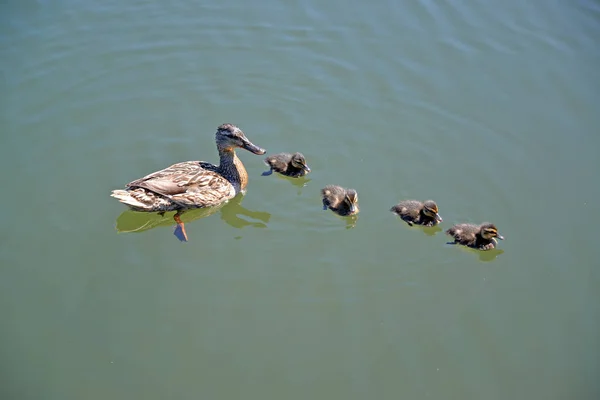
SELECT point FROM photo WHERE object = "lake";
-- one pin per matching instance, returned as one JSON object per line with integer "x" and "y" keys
{"x": 489, "y": 108}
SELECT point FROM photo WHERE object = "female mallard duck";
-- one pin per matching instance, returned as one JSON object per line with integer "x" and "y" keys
{"x": 482, "y": 237}
{"x": 416, "y": 212}
{"x": 193, "y": 184}
{"x": 293, "y": 165}
{"x": 341, "y": 201}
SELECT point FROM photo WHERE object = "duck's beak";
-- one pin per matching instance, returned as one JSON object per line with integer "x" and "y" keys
{"x": 306, "y": 168}
{"x": 500, "y": 237}
{"x": 438, "y": 217}
{"x": 353, "y": 208}
{"x": 251, "y": 147}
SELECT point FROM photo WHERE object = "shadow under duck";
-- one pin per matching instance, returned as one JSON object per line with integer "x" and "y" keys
{"x": 292, "y": 165}
{"x": 193, "y": 184}
{"x": 341, "y": 201}
{"x": 416, "y": 212}
{"x": 482, "y": 237}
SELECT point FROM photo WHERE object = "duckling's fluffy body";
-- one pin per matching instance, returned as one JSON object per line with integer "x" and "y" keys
{"x": 341, "y": 201}
{"x": 292, "y": 165}
{"x": 482, "y": 237}
{"x": 417, "y": 212}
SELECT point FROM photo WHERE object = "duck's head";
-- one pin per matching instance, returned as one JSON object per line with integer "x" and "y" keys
{"x": 351, "y": 200}
{"x": 489, "y": 232}
{"x": 298, "y": 161}
{"x": 431, "y": 210}
{"x": 229, "y": 136}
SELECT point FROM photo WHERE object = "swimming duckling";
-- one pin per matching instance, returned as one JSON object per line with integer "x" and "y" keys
{"x": 416, "y": 212}
{"x": 292, "y": 165}
{"x": 482, "y": 237}
{"x": 341, "y": 201}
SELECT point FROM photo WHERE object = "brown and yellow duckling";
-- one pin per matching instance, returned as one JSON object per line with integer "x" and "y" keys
{"x": 482, "y": 237}
{"x": 292, "y": 165}
{"x": 341, "y": 201}
{"x": 416, "y": 212}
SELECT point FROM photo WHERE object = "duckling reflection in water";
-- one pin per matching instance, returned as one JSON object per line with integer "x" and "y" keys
{"x": 481, "y": 237}
{"x": 416, "y": 212}
{"x": 292, "y": 165}
{"x": 341, "y": 201}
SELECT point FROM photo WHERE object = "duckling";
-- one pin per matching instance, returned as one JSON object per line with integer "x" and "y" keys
{"x": 482, "y": 237}
{"x": 416, "y": 212}
{"x": 341, "y": 201}
{"x": 292, "y": 165}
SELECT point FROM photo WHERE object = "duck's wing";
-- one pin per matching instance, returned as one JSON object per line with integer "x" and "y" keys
{"x": 181, "y": 177}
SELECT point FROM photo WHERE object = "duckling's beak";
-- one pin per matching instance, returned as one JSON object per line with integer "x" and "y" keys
{"x": 306, "y": 168}
{"x": 438, "y": 217}
{"x": 500, "y": 237}
{"x": 251, "y": 147}
{"x": 353, "y": 208}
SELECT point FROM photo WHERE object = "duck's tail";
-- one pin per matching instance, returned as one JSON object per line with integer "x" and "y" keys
{"x": 130, "y": 199}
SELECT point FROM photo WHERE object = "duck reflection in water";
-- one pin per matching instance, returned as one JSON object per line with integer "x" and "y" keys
{"x": 484, "y": 256}
{"x": 490, "y": 255}
{"x": 135, "y": 222}
{"x": 350, "y": 221}
{"x": 431, "y": 230}
{"x": 299, "y": 182}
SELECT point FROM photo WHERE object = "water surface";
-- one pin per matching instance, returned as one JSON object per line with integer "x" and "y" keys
{"x": 489, "y": 108}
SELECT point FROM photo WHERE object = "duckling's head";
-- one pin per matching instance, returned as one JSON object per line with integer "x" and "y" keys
{"x": 351, "y": 200}
{"x": 489, "y": 232}
{"x": 298, "y": 161}
{"x": 229, "y": 136}
{"x": 431, "y": 210}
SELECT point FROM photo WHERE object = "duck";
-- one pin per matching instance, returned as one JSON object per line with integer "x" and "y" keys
{"x": 482, "y": 237}
{"x": 341, "y": 201}
{"x": 292, "y": 165}
{"x": 416, "y": 212}
{"x": 193, "y": 184}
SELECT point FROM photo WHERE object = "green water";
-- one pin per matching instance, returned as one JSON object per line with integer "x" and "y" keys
{"x": 489, "y": 108}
